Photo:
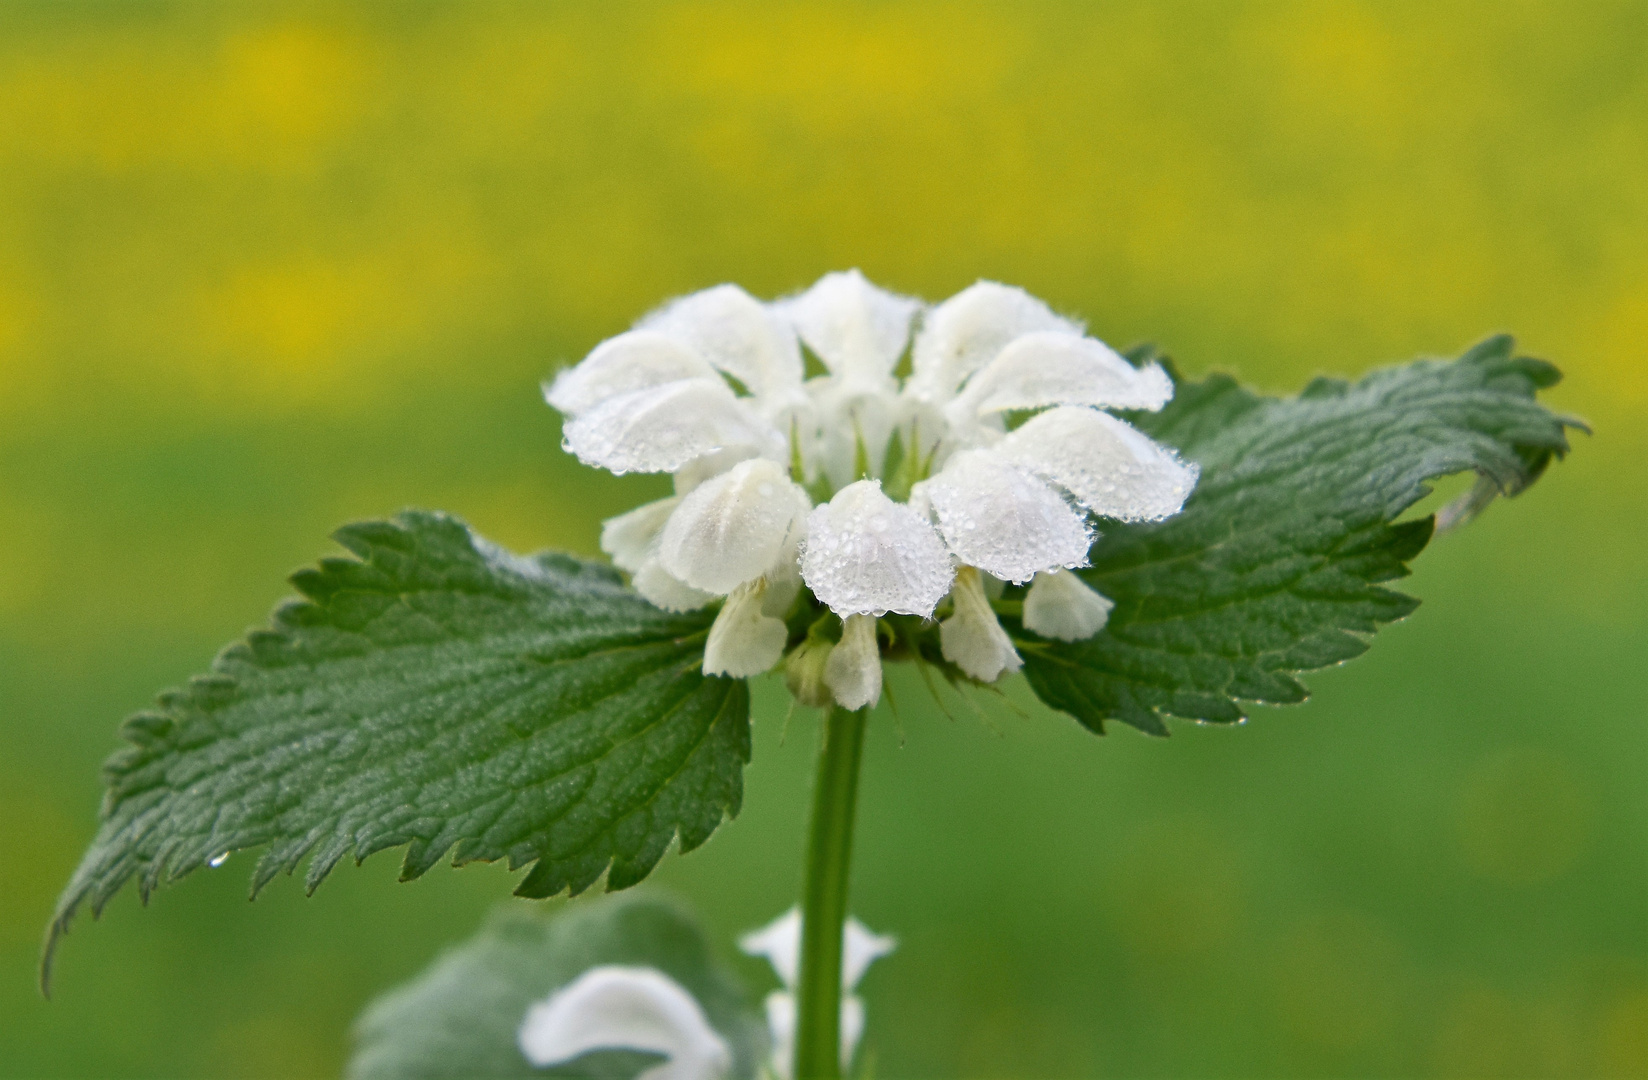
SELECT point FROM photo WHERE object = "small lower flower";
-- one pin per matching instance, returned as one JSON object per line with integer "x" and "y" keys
{"x": 971, "y": 638}
{"x": 1061, "y": 605}
{"x": 748, "y": 635}
{"x": 780, "y": 943}
{"x": 623, "y": 1007}
{"x": 853, "y": 670}
{"x": 615, "y": 1007}
{"x": 860, "y": 494}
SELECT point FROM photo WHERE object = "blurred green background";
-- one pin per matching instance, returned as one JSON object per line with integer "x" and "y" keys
{"x": 268, "y": 268}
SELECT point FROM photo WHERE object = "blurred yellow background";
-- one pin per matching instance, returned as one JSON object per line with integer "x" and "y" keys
{"x": 268, "y": 268}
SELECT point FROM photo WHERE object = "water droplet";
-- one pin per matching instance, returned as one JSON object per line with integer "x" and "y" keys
{"x": 217, "y": 860}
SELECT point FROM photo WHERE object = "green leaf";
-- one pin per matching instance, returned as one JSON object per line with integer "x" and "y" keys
{"x": 461, "y": 1016}
{"x": 1275, "y": 564}
{"x": 437, "y": 692}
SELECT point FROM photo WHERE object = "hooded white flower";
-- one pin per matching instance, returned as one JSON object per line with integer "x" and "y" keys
{"x": 780, "y": 943}
{"x": 971, "y": 638}
{"x": 614, "y": 1007}
{"x": 711, "y": 389}
{"x": 1060, "y": 605}
{"x": 661, "y": 398}
{"x": 852, "y": 671}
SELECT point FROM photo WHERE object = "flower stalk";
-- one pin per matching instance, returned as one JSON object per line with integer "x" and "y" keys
{"x": 824, "y": 896}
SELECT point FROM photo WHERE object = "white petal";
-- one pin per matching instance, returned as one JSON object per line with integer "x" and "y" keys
{"x": 852, "y": 1028}
{"x": 853, "y": 670}
{"x": 996, "y": 516}
{"x": 779, "y": 942}
{"x": 662, "y": 589}
{"x": 1110, "y": 467}
{"x": 663, "y": 428}
{"x": 711, "y": 465}
{"x": 846, "y": 420}
{"x": 859, "y": 949}
{"x": 638, "y": 360}
{"x": 731, "y": 529}
{"x": 738, "y": 334}
{"x": 630, "y": 538}
{"x": 1063, "y": 606}
{"x": 966, "y": 332}
{"x": 971, "y": 638}
{"x": 858, "y": 330}
{"x": 780, "y": 1009}
{"x": 784, "y": 576}
{"x": 633, "y": 1008}
{"x": 1057, "y": 368}
{"x": 867, "y": 554}
{"x": 744, "y": 641}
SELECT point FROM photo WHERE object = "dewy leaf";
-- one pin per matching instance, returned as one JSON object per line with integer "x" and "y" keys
{"x": 462, "y": 1015}
{"x": 1275, "y": 564}
{"x": 437, "y": 692}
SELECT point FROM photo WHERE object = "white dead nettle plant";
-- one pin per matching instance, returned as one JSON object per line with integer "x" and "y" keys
{"x": 924, "y": 490}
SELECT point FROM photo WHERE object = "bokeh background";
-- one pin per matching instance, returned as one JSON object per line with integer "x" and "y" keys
{"x": 268, "y": 268}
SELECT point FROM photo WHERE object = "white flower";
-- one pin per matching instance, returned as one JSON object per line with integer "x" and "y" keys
{"x": 626, "y": 1008}
{"x": 780, "y": 943}
{"x": 853, "y": 669}
{"x": 711, "y": 389}
{"x": 748, "y": 634}
{"x": 867, "y": 555}
{"x": 1000, "y": 518}
{"x": 859, "y": 332}
{"x": 1060, "y": 605}
{"x": 731, "y": 529}
{"x": 971, "y": 638}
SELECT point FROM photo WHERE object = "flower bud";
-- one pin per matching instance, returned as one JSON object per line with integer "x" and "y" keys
{"x": 804, "y": 670}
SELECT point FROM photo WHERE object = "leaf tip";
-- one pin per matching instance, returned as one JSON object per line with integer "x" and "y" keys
{"x": 1494, "y": 347}
{"x": 48, "y": 954}
{"x": 1542, "y": 373}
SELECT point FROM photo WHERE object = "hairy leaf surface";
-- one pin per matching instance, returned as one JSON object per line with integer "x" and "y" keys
{"x": 1276, "y": 563}
{"x": 440, "y": 693}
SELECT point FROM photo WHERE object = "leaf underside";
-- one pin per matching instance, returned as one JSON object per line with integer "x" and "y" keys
{"x": 461, "y": 1015}
{"x": 437, "y": 692}
{"x": 1276, "y": 563}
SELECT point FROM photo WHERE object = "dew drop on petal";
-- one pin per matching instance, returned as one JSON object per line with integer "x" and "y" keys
{"x": 663, "y": 428}
{"x": 1111, "y": 468}
{"x": 866, "y": 554}
{"x": 966, "y": 331}
{"x": 997, "y": 516}
{"x": 730, "y": 529}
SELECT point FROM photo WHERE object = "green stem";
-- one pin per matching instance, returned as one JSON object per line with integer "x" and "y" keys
{"x": 824, "y": 900}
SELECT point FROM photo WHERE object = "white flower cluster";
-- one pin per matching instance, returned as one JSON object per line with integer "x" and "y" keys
{"x": 712, "y": 389}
